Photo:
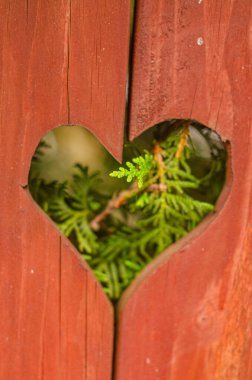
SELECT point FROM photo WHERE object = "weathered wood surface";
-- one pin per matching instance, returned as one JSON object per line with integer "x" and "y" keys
{"x": 189, "y": 315}
{"x": 60, "y": 62}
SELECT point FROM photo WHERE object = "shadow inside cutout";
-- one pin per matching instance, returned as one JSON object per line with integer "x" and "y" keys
{"x": 121, "y": 217}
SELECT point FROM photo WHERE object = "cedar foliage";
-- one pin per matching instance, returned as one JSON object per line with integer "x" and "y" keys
{"x": 118, "y": 235}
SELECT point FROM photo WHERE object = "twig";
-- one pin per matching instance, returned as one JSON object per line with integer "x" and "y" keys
{"x": 114, "y": 203}
{"x": 183, "y": 138}
{"x": 159, "y": 161}
{"x": 161, "y": 187}
{"x": 123, "y": 198}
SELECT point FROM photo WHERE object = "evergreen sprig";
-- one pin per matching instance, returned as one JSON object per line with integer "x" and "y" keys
{"x": 121, "y": 234}
{"x": 138, "y": 169}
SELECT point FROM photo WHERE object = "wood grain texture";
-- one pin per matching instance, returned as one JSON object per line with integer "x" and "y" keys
{"x": 189, "y": 315}
{"x": 55, "y": 321}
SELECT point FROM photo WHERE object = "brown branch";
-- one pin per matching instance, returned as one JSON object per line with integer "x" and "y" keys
{"x": 161, "y": 187}
{"x": 159, "y": 159}
{"x": 121, "y": 199}
{"x": 113, "y": 204}
{"x": 183, "y": 138}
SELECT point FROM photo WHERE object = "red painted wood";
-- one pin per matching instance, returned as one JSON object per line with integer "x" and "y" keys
{"x": 189, "y": 315}
{"x": 98, "y": 65}
{"x": 55, "y": 321}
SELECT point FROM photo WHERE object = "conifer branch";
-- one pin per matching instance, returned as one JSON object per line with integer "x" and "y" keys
{"x": 122, "y": 198}
{"x": 113, "y": 204}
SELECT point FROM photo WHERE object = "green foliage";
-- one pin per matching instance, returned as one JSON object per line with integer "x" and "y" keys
{"x": 139, "y": 168}
{"x": 135, "y": 225}
{"x": 40, "y": 151}
{"x": 72, "y": 205}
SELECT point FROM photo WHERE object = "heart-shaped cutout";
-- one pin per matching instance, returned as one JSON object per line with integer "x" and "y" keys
{"x": 170, "y": 179}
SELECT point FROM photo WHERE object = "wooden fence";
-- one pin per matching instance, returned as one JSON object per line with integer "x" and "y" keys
{"x": 189, "y": 314}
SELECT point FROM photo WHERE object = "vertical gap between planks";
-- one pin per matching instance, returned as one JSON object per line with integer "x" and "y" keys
{"x": 130, "y": 64}
{"x": 126, "y": 135}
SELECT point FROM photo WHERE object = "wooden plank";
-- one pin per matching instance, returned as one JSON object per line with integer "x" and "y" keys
{"x": 55, "y": 321}
{"x": 178, "y": 62}
{"x": 98, "y": 65}
{"x": 189, "y": 315}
